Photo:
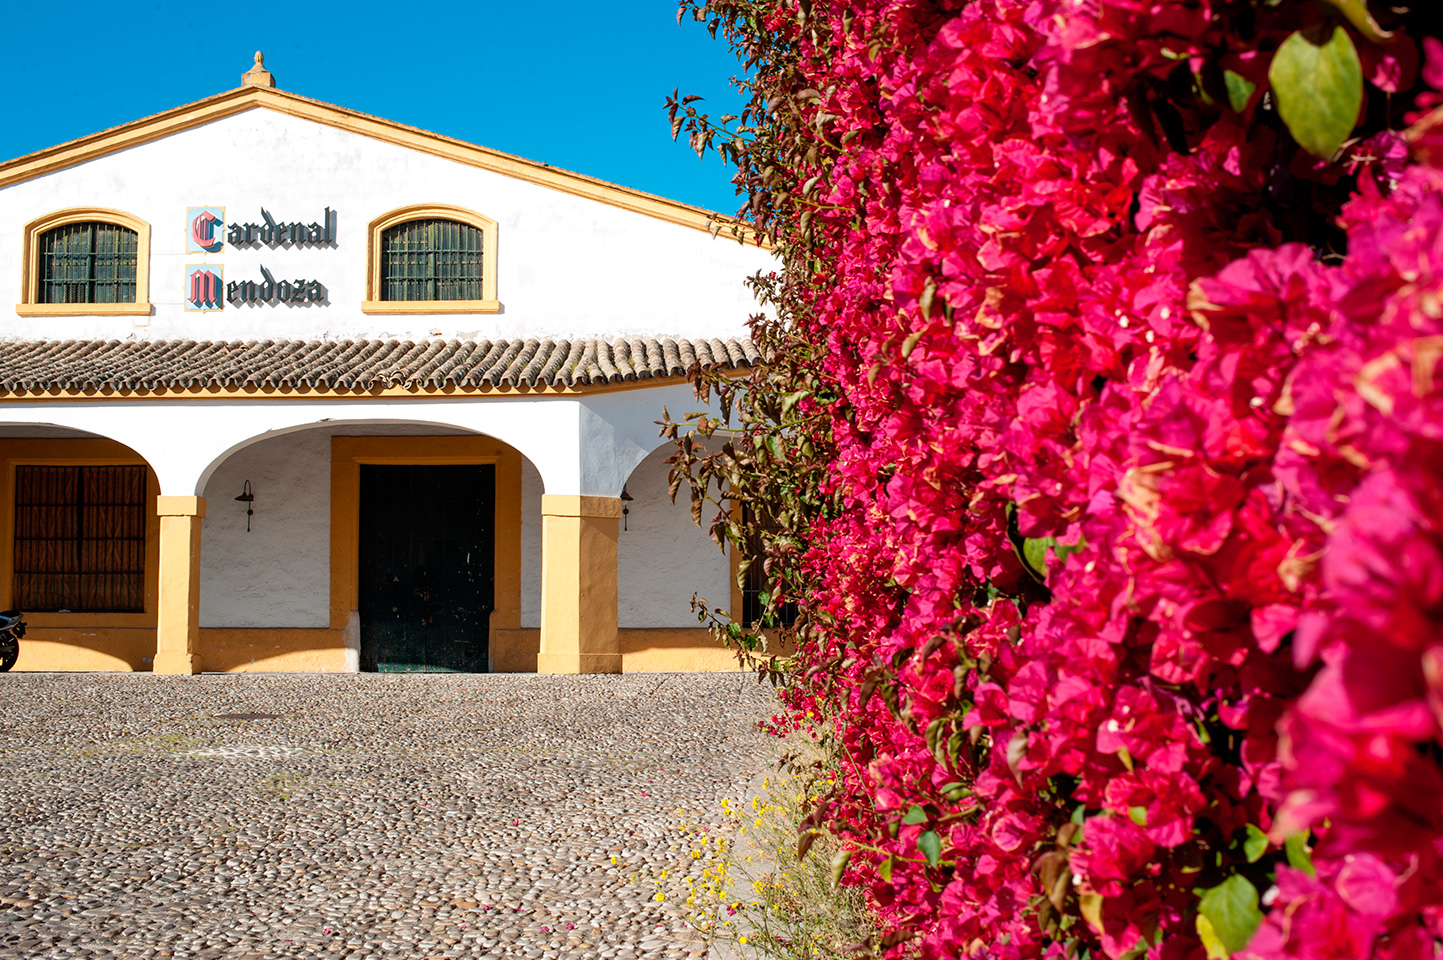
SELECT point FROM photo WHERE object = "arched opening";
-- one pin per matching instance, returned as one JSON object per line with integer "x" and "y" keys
{"x": 79, "y": 542}
{"x": 394, "y": 546}
{"x": 663, "y": 560}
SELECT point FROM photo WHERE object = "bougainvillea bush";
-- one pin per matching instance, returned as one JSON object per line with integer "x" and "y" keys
{"x": 1102, "y": 448}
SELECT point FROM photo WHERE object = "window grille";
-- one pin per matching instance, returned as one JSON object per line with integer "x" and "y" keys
{"x": 755, "y": 588}
{"x": 431, "y": 260}
{"x": 80, "y": 539}
{"x": 91, "y": 262}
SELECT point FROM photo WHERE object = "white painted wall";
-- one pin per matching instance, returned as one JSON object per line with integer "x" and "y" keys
{"x": 662, "y": 557}
{"x": 278, "y": 574}
{"x": 567, "y": 266}
{"x": 580, "y": 445}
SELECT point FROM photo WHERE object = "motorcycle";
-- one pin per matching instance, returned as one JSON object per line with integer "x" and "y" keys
{"x": 12, "y": 628}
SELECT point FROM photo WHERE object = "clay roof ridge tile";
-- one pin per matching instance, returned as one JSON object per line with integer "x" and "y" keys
{"x": 655, "y": 358}
{"x": 621, "y": 359}
{"x": 555, "y": 362}
{"x": 565, "y": 375}
{"x": 296, "y": 360}
{"x": 688, "y": 355}
{"x": 358, "y": 363}
{"x": 496, "y": 372}
{"x": 538, "y": 363}
{"x": 702, "y": 350}
{"x": 232, "y": 372}
{"x": 671, "y": 358}
{"x": 440, "y": 373}
{"x": 399, "y": 364}
{"x": 511, "y": 376}
{"x": 586, "y": 368}
{"x": 608, "y": 369}
{"x": 419, "y": 367}
{"x": 324, "y": 375}
{"x": 472, "y": 368}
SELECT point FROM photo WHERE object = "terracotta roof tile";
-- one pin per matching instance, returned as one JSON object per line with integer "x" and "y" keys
{"x": 354, "y": 364}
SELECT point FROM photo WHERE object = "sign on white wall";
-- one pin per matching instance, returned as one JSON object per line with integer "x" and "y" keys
{"x": 205, "y": 225}
{"x": 203, "y": 286}
{"x": 208, "y": 232}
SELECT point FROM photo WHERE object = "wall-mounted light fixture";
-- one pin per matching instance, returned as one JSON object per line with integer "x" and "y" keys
{"x": 247, "y": 498}
{"x": 625, "y": 510}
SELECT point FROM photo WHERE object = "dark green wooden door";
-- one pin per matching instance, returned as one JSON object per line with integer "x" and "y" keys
{"x": 427, "y": 560}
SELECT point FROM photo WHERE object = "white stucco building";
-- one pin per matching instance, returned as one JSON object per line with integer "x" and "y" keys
{"x": 434, "y": 368}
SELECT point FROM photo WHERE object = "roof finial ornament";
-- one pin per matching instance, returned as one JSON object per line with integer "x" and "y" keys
{"x": 258, "y": 75}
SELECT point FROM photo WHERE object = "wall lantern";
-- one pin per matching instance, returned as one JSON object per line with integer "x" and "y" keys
{"x": 625, "y": 510}
{"x": 247, "y": 498}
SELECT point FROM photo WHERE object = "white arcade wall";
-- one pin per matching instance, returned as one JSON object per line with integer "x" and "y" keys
{"x": 278, "y": 574}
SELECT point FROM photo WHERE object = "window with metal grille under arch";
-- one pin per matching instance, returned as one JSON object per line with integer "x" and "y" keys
{"x": 431, "y": 260}
{"x": 88, "y": 262}
{"x": 80, "y": 538}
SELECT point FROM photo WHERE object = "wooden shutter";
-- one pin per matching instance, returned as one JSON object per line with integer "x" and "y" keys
{"x": 80, "y": 539}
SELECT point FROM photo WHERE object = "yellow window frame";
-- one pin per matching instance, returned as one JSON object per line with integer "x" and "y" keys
{"x": 373, "y": 304}
{"x": 30, "y": 305}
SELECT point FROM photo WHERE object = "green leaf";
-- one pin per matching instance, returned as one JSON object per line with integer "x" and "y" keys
{"x": 915, "y": 816}
{"x": 885, "y": 870}
{"x": 839, "y": 865}
{"x": 1299, "y": 858}
{"x": 955, "y": 792}
{"x": 1357, "y": 13}
{"x": 1034, "y": 551}
{"x": 1231, "y": 912}
{"x": 931, "y": 846}
{"x": 1256, "y": 844}
{"x": 790, "y": 400}
{"x": 1090, "y": 906}
{"x": 1240, "y": 90}
{"x": 1216, "y": 949}
{"x": 1319, "y": 89}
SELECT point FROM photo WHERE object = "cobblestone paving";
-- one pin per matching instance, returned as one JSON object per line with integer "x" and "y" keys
{"x": 270, "y": 816}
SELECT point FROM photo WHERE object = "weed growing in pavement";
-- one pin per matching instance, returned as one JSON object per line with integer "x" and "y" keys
{"x": 740, "y": 880}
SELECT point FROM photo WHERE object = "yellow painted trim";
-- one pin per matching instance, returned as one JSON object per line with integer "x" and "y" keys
{"x": 431, "y": 211}
{"x": 86, "y": 648}
{"x": 30, "y": 305}
{"x": 347, "y": 455}
{"x": 565, "y": 505}
{"x": 241, "y": 99}
{"x": 232, "y": 392}
{"x": 579, "y": 585}
{"x": 388, "y": 307}
{"x": 673, "y": 650}
{"x": 63, "y": 452}
{"x": 180, "y": 506}
{"x": 177, "y": 631}
{"x": 273, "y": 650}
{"x": 83, "y": 309}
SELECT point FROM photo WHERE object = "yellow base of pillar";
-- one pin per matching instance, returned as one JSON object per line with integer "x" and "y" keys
{"x": 578, "y": 663}
{"x": 177, "y": 627}
{"x": 182, "y": 664}
{"x": 578, "y": 585}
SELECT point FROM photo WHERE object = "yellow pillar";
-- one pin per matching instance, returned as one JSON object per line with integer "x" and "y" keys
{"x": 178, "y": 621}
{"x": 578, "y": 585}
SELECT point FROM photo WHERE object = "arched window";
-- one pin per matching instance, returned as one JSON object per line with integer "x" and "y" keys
{"x": 432, "y": 259}
{"x": 86, "y": 261}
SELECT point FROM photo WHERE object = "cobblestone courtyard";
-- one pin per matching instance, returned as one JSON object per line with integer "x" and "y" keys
{"x": 270, "y": 816}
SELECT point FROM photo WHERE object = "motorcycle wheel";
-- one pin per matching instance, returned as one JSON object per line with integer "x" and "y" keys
{"x": 9, "y": 653}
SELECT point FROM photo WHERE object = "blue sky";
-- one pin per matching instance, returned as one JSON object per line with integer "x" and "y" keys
{"x": 579, "y": 86}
